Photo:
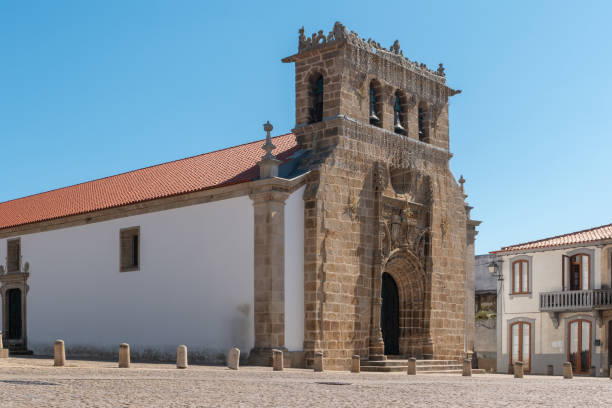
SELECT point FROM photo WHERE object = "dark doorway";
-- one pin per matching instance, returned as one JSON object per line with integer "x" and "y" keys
{"x": 14, "y": 313}
{"x": 389, "y": 314}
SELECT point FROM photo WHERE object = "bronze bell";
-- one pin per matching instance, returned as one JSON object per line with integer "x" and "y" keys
{"x": 398, "y": 126}
{"x": 373, "y": 117}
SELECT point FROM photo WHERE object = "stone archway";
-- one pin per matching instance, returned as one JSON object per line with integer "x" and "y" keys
{"x": 410, "y": 280}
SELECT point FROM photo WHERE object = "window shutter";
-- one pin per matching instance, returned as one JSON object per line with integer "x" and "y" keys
{"x": 565, "y": 279}
{"x": 13, "y": 255}
{"x": 125, "y": 248}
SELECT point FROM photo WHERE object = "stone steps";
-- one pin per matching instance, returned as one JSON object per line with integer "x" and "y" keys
{"x": 422, "y": 366}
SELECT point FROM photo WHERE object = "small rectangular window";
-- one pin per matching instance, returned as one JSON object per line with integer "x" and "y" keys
{"x": 130, "y": 249}
{"x": 13, "y": 257}
{"x": 520, "y": 277}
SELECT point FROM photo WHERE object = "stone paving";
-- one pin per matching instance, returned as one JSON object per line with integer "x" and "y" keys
{"x": 34, "y": 382}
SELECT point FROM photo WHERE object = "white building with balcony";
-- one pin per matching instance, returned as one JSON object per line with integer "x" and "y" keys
{"x": 554, "y": 303}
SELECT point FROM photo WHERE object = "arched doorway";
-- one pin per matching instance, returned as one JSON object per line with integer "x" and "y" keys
{"x": 389, "y": 314}
{"x": 15, "y": 323}
{"x": 403, "y": 316}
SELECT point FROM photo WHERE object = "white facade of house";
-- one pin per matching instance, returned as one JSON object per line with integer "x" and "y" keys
{"x": 194, "y": 284}
{"x": 552, "y": 311}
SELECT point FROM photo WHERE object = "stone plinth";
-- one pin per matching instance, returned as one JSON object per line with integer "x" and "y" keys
{"x": 355, "y": 364}
{"x": 59, "y": 359}
{"x": 277, "y": 360}
{"x": 181, "y": 356}
{"x": 233, "y": 359}
{"x": 567, "y": 370}
{"x": 412, "y": 366}
{"x": 124, "y": 355}
{"x": 518, "y": 369}
{"x": 318, "y": 362}
{"x": 467, "y": 367}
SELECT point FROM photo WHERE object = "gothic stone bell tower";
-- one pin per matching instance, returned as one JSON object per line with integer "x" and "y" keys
{"x": 389, "y": 255}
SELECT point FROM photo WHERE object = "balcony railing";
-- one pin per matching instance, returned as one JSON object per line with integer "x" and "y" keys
{"x": 575, "y": 300}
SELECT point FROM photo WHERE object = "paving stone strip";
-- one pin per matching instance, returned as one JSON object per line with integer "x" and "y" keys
{"x": 34, "y": 382}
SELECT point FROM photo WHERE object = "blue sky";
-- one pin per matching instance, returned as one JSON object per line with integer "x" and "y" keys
{"x": 91, "y": 89}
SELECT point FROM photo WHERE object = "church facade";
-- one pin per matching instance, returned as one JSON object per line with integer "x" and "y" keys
{"x": 348, "y": 236}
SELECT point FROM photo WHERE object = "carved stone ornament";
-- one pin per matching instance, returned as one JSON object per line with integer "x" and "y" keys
{"x": 444, "y": 225}
{"x": 320, "y": 39}
{"x": 353, "y": 205}
{"x": 380, "y": 177}
{"x": 340, "y": 33}
{"x": 404, "y": 226}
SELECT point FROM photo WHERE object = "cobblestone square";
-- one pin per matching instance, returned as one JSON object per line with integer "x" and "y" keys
{"x": 34, "y": 382}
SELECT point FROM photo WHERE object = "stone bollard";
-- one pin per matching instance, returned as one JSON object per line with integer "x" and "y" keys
{"x": 318, "y": 362}
{"x": 467, "y": 367}
{"x": 59, "y": 353}
{"x": 567, "y": 370}
{"x": 233, "y": 359}
{"x": 181, "y": 356}
{"x": 124, "y": 355}
{"x": 550, "y": 370}
{"x": 518, "y": 369}
{"x": 355, "y": 364}
{"x": 4, "y": 353}
{"x": 412, "y": 366}
{"x": 277, "y": 360}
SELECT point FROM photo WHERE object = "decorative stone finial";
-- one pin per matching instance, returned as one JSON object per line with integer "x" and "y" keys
{"x": 268, "y": 146}
{"x": 268, "y": 165}
{"x": 440, "y": 70}
{"x": 461, "y": 182}
{"x": 395, "y": 47}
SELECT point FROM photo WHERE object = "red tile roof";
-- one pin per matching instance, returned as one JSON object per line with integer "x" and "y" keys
{"x": 579, "y": 237}
{"x": 211, "y": 170}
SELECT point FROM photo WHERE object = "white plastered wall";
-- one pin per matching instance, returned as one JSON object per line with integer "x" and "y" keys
{"x": 194, "y": 286}
{"x": 294, "y": 271}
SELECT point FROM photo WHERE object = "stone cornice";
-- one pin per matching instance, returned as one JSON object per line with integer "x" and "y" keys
{"x": 162, "y": 204}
